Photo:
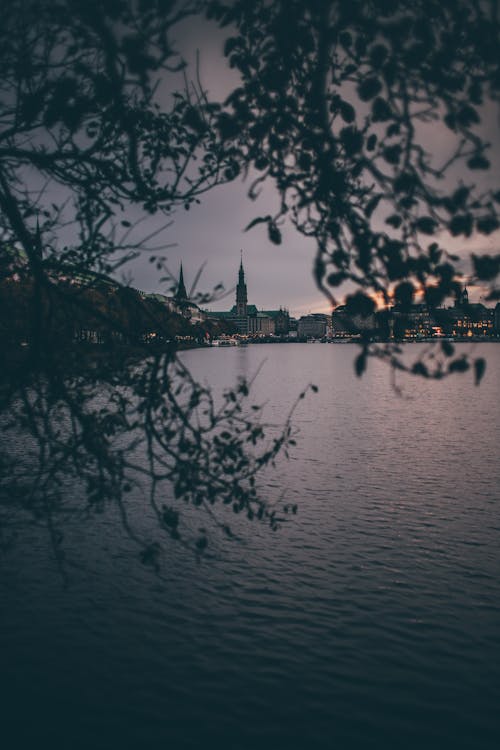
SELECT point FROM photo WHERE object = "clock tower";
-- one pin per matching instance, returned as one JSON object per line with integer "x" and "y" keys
{"x": 241, "y": 293}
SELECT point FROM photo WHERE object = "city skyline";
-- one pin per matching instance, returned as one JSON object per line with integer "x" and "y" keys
{"x": 218, "y": 222}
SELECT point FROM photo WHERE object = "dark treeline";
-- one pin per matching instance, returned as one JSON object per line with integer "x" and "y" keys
{"x": 96, "y": 313}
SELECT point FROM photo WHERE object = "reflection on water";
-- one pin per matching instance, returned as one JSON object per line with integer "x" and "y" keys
{"x": 370, "y": 620}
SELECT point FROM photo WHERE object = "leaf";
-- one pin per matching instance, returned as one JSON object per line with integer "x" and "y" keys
{"x": 487, "y": 267}
{"x": 230, "y": 45}
{"x": 274, "y": 233}
{"x": 261, "y": 163}
{"x": 420, "y": 369}
{"x": 478, "y": 162}
{"x": 258, "y": 220}
{"x": 347, "y": 112}
{"x": 359, "y": 304}
{"x": 372, "y": 205}
{"x": 487, "y": 224}
{"x": 392, "y": 154}
{"x": 426, "y": 225}
{"x": 461, "y": 224}
{"x": 460, "y": 196}
{"x": 479, "y": 369}
{"x": 447, "y": 348}
{"x": 405, "y": 183}
{"x": 228, "y": 126}
{"x": 381, "y": 111}
{"x": 394, "y": 221}
{"x": 458, "y": 365}
{"x": 305, "y": 161}
{"x": 352, "y": 140}
{"x": 335, "y": 279}
{"x": 467, "y": 116}
{"x": 369, "y": 88}
{"x": 393, "y": 130}
{"x": 434, "y": 253}
{"x": 494, "y": 295}
{"x": 403, "y": 294}
{"x": 360, "y": 364}
{"x": 194, "y": 121}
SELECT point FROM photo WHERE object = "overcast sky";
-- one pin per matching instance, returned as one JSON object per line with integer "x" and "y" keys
{"x": 213, "y": 232}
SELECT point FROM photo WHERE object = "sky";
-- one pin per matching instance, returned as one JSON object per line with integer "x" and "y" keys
{"x": 212, "y": 234}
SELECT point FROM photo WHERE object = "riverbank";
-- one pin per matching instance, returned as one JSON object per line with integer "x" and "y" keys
{"x": 234, "y": 341}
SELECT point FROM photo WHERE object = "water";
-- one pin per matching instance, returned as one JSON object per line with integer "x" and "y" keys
{"x": 370, "y": 620}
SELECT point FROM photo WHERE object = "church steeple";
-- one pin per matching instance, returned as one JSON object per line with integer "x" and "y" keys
{"x": 241, "y": 291}
{"x": 462, "y": 299}
{"x": 181, "y": 294}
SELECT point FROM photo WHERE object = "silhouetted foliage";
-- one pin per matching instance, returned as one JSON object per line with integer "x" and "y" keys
{"x": 82, "y": 139}
{"x": 339, "y": 107}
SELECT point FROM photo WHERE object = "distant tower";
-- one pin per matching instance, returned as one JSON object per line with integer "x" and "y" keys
{"x": 241, "y": 292}
{"x": 463, "y": 298}
{"x": 181, "y": 294}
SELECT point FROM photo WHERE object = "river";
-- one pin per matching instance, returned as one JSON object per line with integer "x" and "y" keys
{"x": 370, "y": 620}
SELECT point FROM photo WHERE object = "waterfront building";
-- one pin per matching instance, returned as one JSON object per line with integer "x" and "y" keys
{"x": 346, "y": 325}
{"x": 417, "y": 321}
{"x": 247, "y": 319}
{"x": 466, "y": 319}
{"x": 414, "y": 322}
{"x": 473, "y": 320}
{"x": 312, "y": 326}
{"x": 261, "y": 323}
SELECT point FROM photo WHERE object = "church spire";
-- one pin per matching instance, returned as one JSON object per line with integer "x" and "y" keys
{"x": 241, "y": 291}
{"x": 462, "y": 299}
{"x": 181, "y": 294}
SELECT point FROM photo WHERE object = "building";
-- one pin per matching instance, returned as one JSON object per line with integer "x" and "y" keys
{"x": 347, "y": 325}
{"x": 247, "y": 319}
{"x": 415, "y": 322}
{"x": 474, "y": 320}
{"x": 241, "y": 294}
{"x": 182, "y": 305}
{"x": 463, "y": 320}
{"x": 312, "y": 326}
{"x": 261, "y": 324}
